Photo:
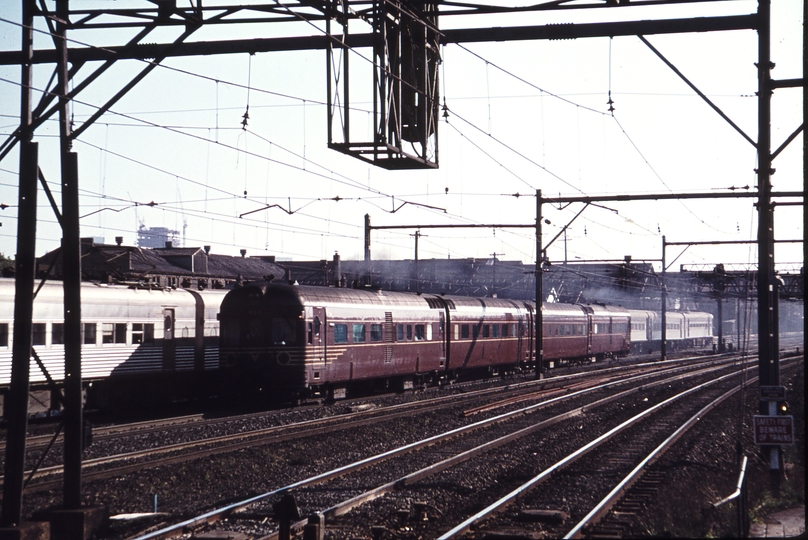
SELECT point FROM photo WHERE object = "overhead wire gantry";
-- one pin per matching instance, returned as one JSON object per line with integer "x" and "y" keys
{"x": 404, "y": 39}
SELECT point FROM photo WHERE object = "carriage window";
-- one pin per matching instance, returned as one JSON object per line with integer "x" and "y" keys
{"x": 400, "y": 332}
{"x": 429, "y": 332}
{"x": 113, "y": 333}
{"x": 314, "y": 329}
{"x": 464, "y": 331}
{"x": 142, "y": 333}
{"x": 409, "y": 332}
{"x": 475, "y": 331}
{"x": 107, "y": 332}
{"x": 340, "y": 333}
{"x": 359, "y": 333}
{"x": 89, "y": 331}
{"x": 38, "y": 333}
{"x": 58, "y": 334}
{"x": 254, "y": 330}
{"x": 4, "y": 335}
{"x": 316, "y": 326}
{"x": 486, "y": 330}
{"x": 283, "y": 331}
{"x": 456, "y": 332}
{"x": 495, "y": 330}
{"x": 375, "y": 332}
{"x": 420, "y": 332}
{"x": 505, "y": 330}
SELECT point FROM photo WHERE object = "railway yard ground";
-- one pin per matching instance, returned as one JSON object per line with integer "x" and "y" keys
{"x": 382, "y": 467}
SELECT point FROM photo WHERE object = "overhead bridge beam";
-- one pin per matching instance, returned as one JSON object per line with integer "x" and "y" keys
{"x": 467, "y": 35}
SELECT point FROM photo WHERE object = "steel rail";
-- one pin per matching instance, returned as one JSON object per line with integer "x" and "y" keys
{"x": 223, "y": 512}
{"x": 411, "y": 478}
{"x": 185, "y": 451}
{"x": 346, "y": 506}
{"x": 552, "y": 392}
{"x": 140, "y": 428}
{"x": 527, "y": 486}
{"x": 149, "y": 426}
{"x": 603, "y": 507}
{"x": 237, "y": 441}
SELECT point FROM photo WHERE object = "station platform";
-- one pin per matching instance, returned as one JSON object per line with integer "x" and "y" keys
{"x": 781, "y": 524}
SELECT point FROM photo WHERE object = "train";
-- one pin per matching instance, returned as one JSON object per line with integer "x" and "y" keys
{"x": 299, "y": 342}
{"x": 140, "y": 346}
{"x": 146, "y": 346}
{"x": 684, "y": 329}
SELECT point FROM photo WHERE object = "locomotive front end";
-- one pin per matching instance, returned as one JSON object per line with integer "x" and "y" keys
{"x": 262, "y": 343}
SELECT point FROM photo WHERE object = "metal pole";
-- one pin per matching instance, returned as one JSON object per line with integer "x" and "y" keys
{"x": 16, "y": 403}
{"x": 71, "y": 275}
{"x": 663, "y": 339}
{"x": 367, "y": 249}
{"x": 539, "y": 292}
{"x": 565, "y": 246}
{"x": 768, "y": 333}
{"x": 417, "y": 281}
{"x": 768, "y": 365}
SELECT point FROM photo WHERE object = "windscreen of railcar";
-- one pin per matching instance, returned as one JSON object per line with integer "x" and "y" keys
{"x": 284, "y": 331}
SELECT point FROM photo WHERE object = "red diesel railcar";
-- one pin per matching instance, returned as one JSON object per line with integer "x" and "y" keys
{"x": 294, "y": 342}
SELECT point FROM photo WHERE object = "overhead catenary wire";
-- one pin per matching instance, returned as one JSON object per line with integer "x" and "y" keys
{"x": 583, "y": 107}
{"x": 304, "y": 152}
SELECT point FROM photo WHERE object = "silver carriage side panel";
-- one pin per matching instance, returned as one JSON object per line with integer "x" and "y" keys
{"x": 676, "y": 326}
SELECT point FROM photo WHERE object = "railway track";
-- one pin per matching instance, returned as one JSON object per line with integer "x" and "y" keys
{"x": 196, "y": 441}
{"x": 625, "y": 460}
{"x": 431, "y": 456}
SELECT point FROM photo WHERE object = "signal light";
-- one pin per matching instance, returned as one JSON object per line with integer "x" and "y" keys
{"x": 782, "y": 407}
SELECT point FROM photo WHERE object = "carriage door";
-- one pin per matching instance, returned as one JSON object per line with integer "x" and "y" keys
{"x": 316, "y": 334}
{"x": 169, "y": 351}
{"x": 389, "y": 336}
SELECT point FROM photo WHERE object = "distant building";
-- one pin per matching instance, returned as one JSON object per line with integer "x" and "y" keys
{"x": 621, "y": 282}
{"x": 627, "y": 283}
{"x": 167, "y": 266}
{"x": 157, "y": 237}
